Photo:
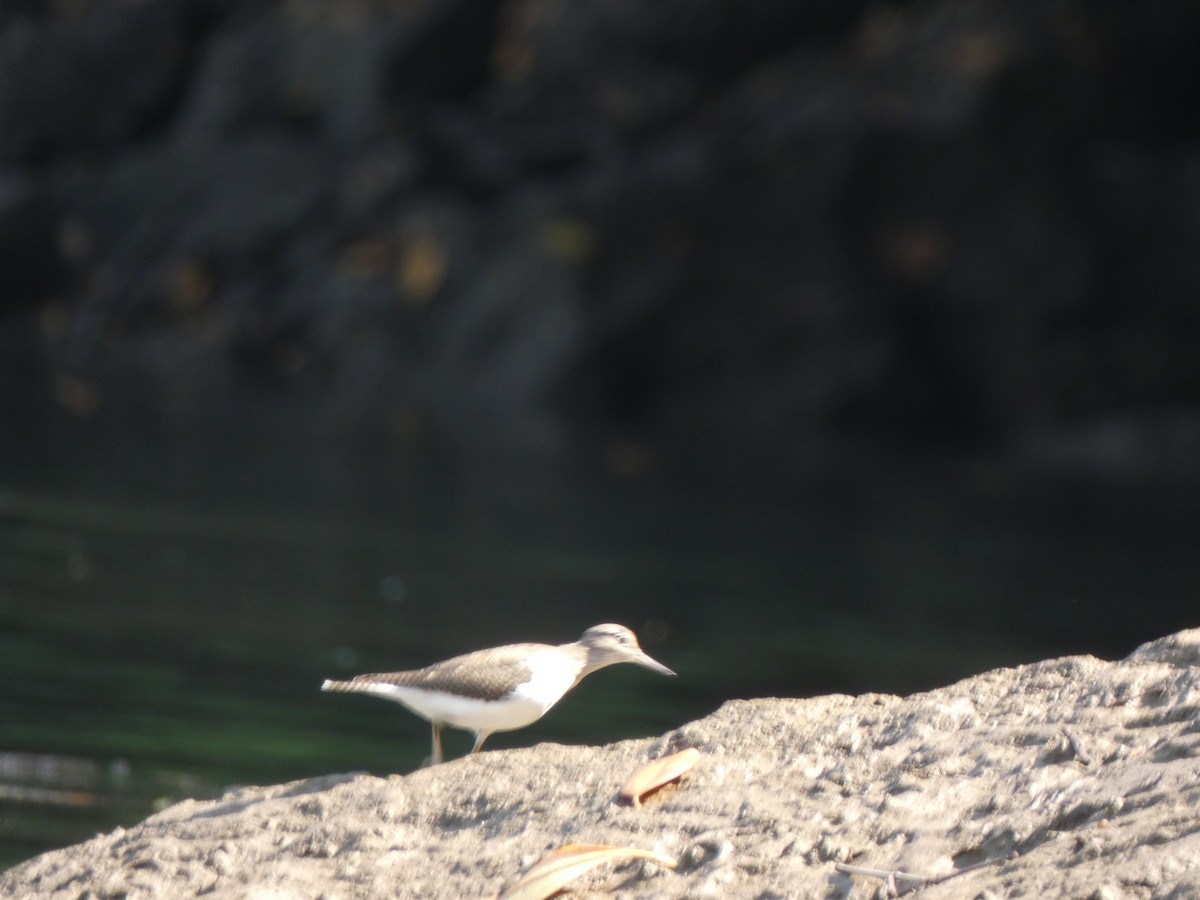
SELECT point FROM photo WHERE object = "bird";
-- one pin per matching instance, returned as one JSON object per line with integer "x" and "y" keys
{"x": 502, "y": 688}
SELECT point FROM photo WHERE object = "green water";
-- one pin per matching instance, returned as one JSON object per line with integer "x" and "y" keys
{"x": 166, "y": 617}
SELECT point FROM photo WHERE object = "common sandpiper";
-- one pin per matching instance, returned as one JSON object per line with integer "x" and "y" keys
{"x": 503, "y": 688}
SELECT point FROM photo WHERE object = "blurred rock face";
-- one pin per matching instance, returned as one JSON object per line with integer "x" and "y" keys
{"x": 941, "y": 223}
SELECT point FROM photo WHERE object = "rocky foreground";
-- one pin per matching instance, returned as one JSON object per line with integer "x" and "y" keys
{"x": 1066, "y": 778}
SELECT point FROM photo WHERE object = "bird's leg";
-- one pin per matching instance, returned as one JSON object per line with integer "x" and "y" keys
{"x": 437, "y": 744}
{"x": 480, "y": 737}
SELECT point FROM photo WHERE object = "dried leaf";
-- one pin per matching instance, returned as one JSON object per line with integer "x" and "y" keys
{"x": 560, "y": 867}
{"x": 653, "y": 776}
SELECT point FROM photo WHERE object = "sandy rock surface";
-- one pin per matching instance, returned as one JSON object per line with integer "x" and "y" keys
{"x": 1071, "y": 777}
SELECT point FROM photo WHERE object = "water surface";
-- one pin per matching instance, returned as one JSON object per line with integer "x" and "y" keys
{"x": 169, "y": 609}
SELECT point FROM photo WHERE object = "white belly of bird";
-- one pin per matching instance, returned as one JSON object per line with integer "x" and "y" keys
{"x": 550, "y": 677}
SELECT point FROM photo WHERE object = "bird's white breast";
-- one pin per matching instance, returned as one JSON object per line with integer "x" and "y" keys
{"x": 550, "y": 676}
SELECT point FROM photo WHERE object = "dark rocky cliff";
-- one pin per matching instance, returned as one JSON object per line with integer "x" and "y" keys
{"x": 943, "y": 224}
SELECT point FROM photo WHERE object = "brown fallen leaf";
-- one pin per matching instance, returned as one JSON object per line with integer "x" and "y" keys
{"x": 653, "y": 776}
{"x": 560, "y": 867}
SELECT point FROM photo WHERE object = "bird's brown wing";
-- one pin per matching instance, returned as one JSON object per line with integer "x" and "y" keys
{"x": 485, "y": 674}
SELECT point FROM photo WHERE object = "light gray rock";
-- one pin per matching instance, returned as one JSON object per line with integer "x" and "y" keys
{"x": 1071, "y": 777}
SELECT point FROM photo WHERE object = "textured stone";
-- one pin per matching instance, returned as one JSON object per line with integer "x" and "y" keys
{"x": 1069, "y": 777}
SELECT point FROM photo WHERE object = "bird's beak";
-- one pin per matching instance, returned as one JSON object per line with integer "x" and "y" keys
{"x": 642, "y": 659}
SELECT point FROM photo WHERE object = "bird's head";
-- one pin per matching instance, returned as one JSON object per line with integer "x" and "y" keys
{"x": 607, "y": 645}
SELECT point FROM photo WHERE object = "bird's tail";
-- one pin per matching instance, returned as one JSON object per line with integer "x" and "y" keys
{"x": 344, "y": 686}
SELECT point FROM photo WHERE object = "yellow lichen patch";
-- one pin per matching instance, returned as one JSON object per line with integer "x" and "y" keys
{"x": 77, "y": 396}
{"x": 191, "y": 286}
{"x": 368, "y": 258}
{"x": 422, "y": 269}
{"x": 568, "y": 238}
